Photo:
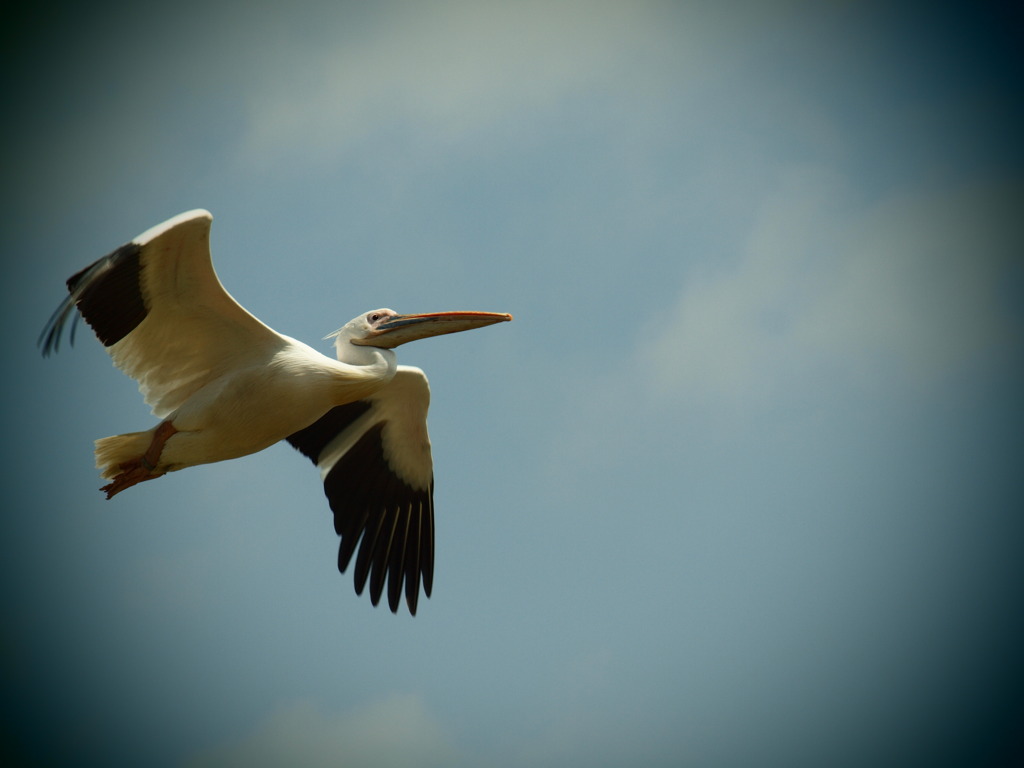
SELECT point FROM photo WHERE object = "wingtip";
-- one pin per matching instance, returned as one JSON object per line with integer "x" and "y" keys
{"x": 196, "y": 215}
{"x": 50, "y": 336}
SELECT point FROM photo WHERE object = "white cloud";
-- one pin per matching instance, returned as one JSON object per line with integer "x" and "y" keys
{"x": 395, "y": 732}
{"x": 447, "y": 70}
{"x": 828, "y": 294}
{"x": 906, "y": 286}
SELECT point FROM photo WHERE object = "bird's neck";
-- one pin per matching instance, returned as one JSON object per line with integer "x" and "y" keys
{"x": 371, "y": 363}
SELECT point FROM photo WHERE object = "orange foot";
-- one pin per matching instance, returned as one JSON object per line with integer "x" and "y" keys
{"x": 132, "y": 473}
{"x": 143, "y": 468}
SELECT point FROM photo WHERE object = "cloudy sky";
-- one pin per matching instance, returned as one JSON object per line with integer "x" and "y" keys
{"x": 739, "y": 486}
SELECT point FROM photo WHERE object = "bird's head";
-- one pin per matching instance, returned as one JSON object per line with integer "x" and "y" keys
{"x": 386, "y": 329}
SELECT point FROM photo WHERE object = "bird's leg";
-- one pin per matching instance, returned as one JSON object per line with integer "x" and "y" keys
{"x": 143, "y": 468}
{"x": 162, "y": 434}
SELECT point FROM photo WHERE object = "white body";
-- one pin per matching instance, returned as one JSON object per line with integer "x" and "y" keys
{"x": 225, "y": 385}
{"x": 228, "y": 383}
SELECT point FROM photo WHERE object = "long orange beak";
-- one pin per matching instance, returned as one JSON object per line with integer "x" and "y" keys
{"x": 405, "y": 328}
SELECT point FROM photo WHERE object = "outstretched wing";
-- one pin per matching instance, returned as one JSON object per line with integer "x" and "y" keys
{"x": 374, "y": 459}
{"x": 158, "y": 307}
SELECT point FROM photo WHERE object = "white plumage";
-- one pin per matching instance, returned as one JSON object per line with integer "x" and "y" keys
{"x": 225, "y": 385}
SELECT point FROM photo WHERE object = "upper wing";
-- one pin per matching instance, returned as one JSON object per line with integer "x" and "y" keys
{"x": 163, "y": 315}
{"x": 374, "y": 458}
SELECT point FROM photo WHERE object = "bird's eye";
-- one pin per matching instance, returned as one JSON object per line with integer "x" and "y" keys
{"x": 373, "y": 317}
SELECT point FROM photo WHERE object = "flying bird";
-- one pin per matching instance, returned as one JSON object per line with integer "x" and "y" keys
{"x": 224, "y": 385}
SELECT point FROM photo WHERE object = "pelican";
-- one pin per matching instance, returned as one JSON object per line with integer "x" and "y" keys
{"x": 224, "y": 385}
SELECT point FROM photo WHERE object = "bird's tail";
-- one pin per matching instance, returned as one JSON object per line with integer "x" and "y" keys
{"x": 112, "y": 452}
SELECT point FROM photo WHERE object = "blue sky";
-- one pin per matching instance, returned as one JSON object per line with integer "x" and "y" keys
{"x": 739, "y": 486}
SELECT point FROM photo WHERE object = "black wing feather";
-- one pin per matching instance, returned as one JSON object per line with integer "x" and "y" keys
{"x": 376, "y": 512}
{"x": 107, "y": 293}
{"x": 312, "y": 440}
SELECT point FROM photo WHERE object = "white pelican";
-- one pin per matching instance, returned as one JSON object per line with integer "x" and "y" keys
{"x": 225, "y": 385}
